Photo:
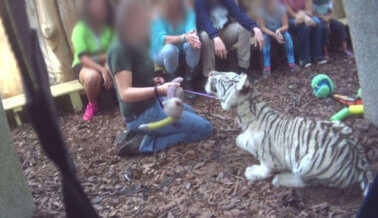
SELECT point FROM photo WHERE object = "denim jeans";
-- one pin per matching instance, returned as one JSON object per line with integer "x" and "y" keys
{"x": 169, "y": 57}
{"x": 288, "y": 46}
{"x": 190, "y": 128}
{"x": 309, "y": 40}
{"x": 336, "y": 28}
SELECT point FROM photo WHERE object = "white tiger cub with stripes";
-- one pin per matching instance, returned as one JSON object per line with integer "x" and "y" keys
{"x": 300, "y": 151}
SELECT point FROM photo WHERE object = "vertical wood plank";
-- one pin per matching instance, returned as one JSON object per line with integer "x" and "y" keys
{"x": 58, "y": 50}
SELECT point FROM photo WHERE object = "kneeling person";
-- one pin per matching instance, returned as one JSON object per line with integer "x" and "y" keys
{"x": 133, "y": 71}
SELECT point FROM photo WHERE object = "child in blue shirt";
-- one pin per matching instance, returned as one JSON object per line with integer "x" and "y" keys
{"x": 174, "y": 33}
{"x": 274, "y": 23}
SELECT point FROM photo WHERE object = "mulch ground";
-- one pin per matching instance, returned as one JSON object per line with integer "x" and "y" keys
{"x": 202, "y": 179}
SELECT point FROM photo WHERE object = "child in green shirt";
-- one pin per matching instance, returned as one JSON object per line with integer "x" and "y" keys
{"x": 91, "y": 38}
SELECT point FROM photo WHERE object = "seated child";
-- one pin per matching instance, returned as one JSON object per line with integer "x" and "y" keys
{"x": 323, "y": 10}
{"x": 308, "y": 30}
{"x": 91, "y": 38}
{"x": 274, "y": 23}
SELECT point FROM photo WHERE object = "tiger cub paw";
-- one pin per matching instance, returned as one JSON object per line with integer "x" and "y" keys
{"x": 256, "y": 172}
{"x": 242, "y": 141}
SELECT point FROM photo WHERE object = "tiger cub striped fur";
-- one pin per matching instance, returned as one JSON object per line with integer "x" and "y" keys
{"x": 302, "y": 151}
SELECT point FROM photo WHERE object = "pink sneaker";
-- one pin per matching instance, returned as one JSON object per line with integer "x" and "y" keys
{"x": 90, "y": 112}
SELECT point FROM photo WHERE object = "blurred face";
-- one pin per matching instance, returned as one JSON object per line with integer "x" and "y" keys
{"x": 136, "y": 25}
{"x": 272, "y": 5}
{"x": 174, "y": 4}
{"x": 98, "y": 10}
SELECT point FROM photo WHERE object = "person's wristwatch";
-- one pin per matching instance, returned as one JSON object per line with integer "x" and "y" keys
{"x": 183, "y": 38}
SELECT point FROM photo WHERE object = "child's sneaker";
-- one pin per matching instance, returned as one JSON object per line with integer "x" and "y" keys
{"x": 348, "y": 53}
{"x": 305, "y": 65}
{"x": 90, "y": 112}
{"x": 294, "y": 68}
{"x": 322, "y": 61}
{"x": 267, "y": 72}
{"x": 131, "y": 147}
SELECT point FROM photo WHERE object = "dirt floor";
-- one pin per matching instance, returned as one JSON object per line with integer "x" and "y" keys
{"x": 202, "y": 179}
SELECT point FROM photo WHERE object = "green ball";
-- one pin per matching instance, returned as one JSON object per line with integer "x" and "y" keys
{"x": 323, "y": 86}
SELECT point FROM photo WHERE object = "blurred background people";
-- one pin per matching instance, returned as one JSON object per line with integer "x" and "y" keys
{"x": 323, "y": 10}
{"x": 133, "y": 71}
{"x": 308, "y": 29}
{"x": 174, "y": 34}
{"x": 91, "y": 38}
{"x": 274, "y": 23}
{"x": 218, "y": 32}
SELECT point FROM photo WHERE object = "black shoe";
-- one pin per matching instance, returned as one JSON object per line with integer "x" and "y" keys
{"x": 122, "y": 136}
{"x": 131, "y": 146}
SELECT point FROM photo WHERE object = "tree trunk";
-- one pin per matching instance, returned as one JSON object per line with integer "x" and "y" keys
{"x": 10, "y": 80}
{"x": 68, "y": 11}
{"x": 57, "y": 47}
{"x": 362, "y": 18}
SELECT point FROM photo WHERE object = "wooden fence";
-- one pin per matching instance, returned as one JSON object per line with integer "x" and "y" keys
{"x": 54, "y": 21}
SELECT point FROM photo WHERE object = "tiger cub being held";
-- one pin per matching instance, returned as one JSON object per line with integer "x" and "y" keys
{"x": 302, "y": 151}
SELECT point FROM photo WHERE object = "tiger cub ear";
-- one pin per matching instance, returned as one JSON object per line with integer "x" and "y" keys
{"x": 243, "y": 82}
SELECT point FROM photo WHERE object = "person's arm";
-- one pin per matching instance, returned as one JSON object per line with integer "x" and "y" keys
{"x": 290, "y": 11}
{"x": 263, "y": 27}
{"x": 175, "y": 40}
{"x": 102, "y": 58}
{"x": 203, "y": 19}
{"x": 190, "y": 34}
{"x": 309, "y": 10}
{"x": 129, "y": 94}
{"x": 238, "y": 14}
{"x": 285, "y": 23}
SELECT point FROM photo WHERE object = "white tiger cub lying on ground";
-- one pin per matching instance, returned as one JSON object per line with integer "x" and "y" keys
{"x": 302, "y": 151}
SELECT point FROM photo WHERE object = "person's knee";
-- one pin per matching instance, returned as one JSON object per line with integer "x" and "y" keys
{"x": 243, "y": 31}
{"x": 205, "y": 129}
{"x": 170, "y": 51}
{"x": 205, "y": 38}
{"x": 92, "y": 77}
{"x": 192, "y": 55}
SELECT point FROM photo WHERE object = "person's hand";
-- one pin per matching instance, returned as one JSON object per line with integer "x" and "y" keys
{"x": 158, "y": 80}
{"x": 163, "y": 89}
{"x": 220, "y": 48}
{"x": 108, "y": 81}
{"x": 279, "y": 37}
{"x": 326, "y": 18}
{"x": 309, "y": 21}
{"x": 300, "y": 17}
{"x": 259, "y": 38}
{"x": 193, "y": 39}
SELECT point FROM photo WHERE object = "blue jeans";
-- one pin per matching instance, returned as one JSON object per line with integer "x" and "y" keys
{"x": 190, "y": 128}
{"x": 288, "y": 46}
{"x": 169, "y": 57}
{"x": 309, "y": 40}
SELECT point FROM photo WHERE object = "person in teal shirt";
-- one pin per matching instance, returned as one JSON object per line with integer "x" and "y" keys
{"x": 91, "y": 38}
{"x": 174, "y": 34}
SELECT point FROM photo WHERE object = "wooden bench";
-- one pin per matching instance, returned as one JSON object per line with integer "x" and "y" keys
{"x": 72, "y": 89}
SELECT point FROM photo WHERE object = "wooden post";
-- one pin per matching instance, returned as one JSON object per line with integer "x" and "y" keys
{"x": 58, "y": 50}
